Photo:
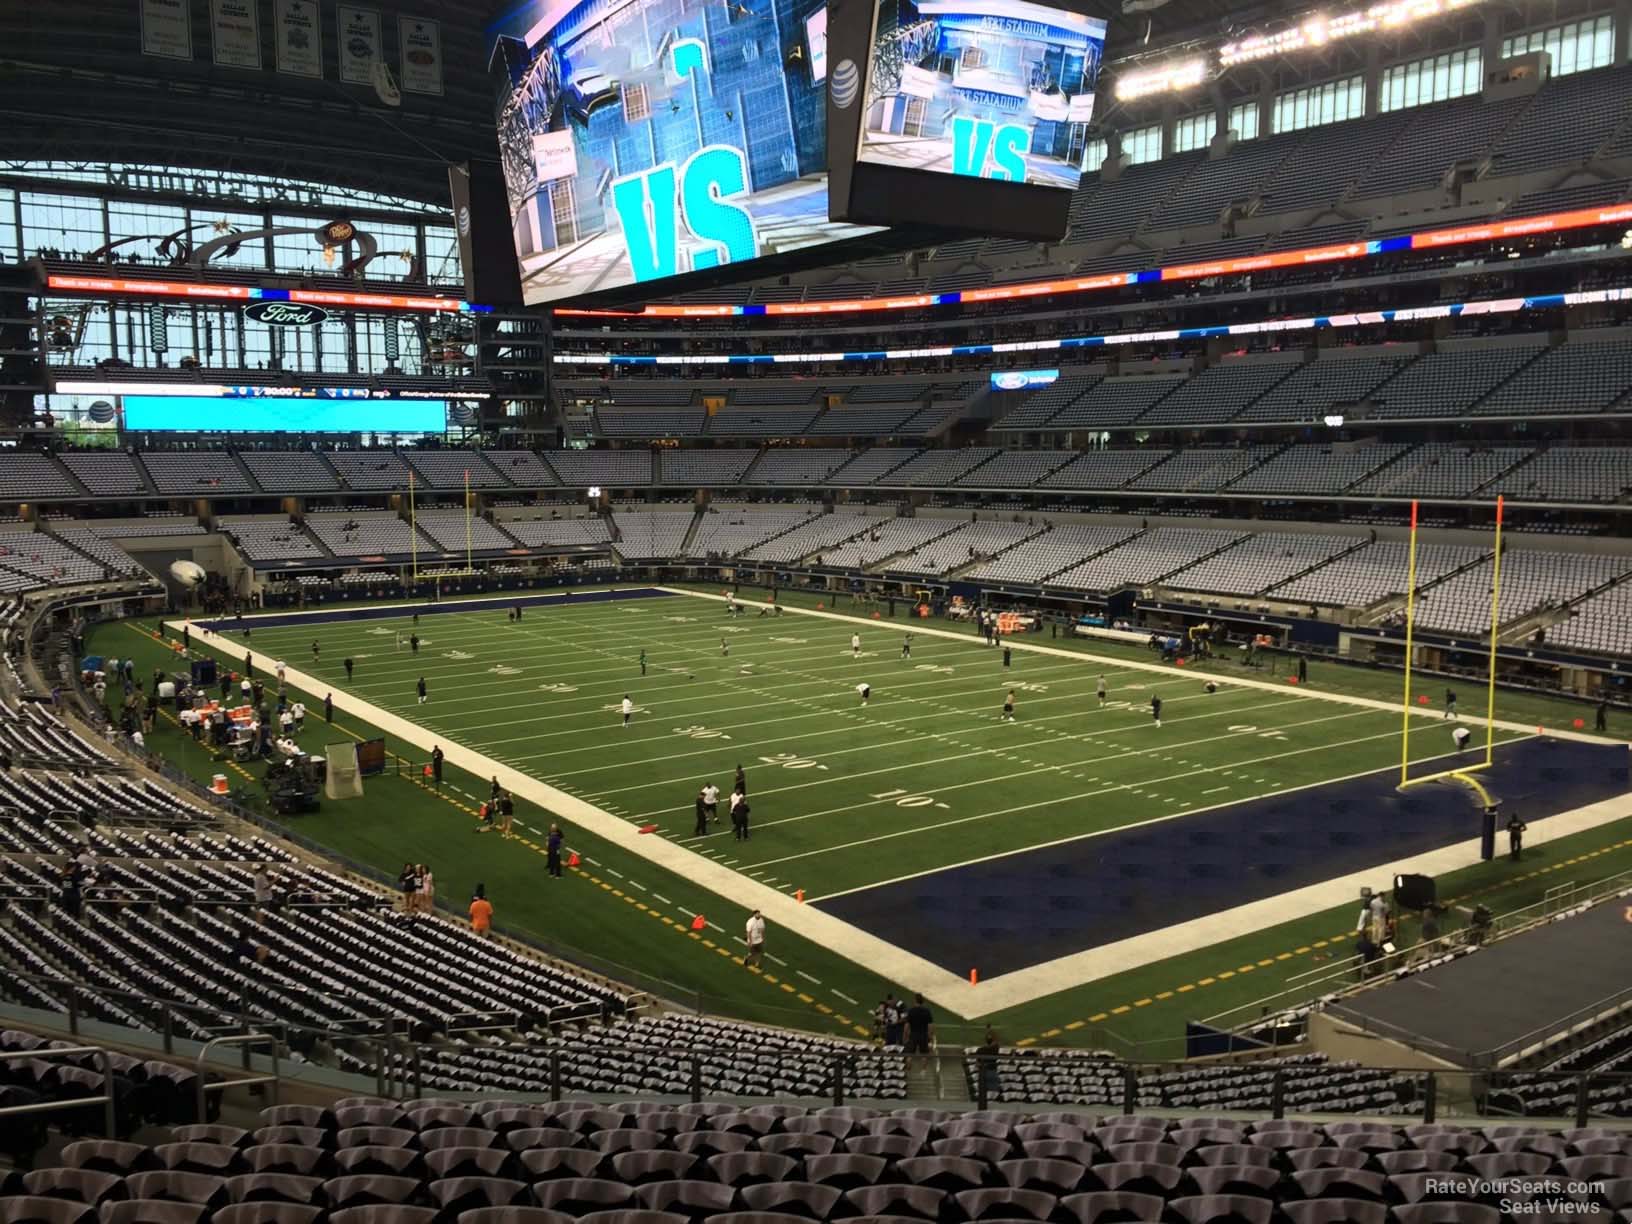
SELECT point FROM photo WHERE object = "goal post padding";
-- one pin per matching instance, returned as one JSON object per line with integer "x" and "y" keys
{"x": 344, "y": 779}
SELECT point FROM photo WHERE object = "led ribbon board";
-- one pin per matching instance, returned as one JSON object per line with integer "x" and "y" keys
{"x": 1498, "y": 306}
{"x": 197, "y": 291}
{"x": 1426, "y": 240}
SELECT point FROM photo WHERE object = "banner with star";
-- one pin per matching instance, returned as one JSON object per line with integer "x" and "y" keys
{"x": 420, "y": 41}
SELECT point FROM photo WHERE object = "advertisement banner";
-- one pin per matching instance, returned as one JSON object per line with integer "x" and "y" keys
{"x": 420, "y": 42}
{"x": 167, "y": 28}
{"x": 235, "y": 33}
{"x": 299, "y": 37}
{"x": 360, "y": 43}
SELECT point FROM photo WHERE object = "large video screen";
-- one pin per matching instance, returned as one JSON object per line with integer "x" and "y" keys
{"x": 283, "y": 414}
{"x": 994, "y": 89}
{"x": 646, "y": 139}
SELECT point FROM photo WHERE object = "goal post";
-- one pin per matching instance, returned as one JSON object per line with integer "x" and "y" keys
{"x": 1459, "y": 773}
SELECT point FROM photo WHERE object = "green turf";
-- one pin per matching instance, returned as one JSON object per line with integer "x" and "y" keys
{"x": 931, "y": 736}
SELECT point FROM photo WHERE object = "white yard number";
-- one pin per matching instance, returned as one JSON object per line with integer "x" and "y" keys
{"x": 906, "y": 799}
{"x": 788, "y": 760}
{"x": 939, "y": 668}
{"x": 1248, "y": 729}
{"x": 697, "y": 732}
{"x": 558, "y": 688}
{"x": 681, "y": 620}
{"x": 791, "y": 641}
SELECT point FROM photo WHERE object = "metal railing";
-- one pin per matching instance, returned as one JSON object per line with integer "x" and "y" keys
{"x": 243, "y": 1041}
{"x": 1320, "y": 988}
{"x": 106, "y": 1100}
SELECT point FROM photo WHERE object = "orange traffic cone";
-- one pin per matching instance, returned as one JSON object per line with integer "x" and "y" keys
{"x": 573, "y": 860}
{"x": 699, "y": 923}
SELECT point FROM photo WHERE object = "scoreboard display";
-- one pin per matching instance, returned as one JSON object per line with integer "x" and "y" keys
{"x": 968, "y": 113}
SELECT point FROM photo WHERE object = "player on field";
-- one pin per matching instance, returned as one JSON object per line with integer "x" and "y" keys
{"x": 316, "y": 651}
{"x": 855, "y": 645}
{"x": 1100, "y": 689}
{"x": 423, "y": 692}
{"x": 643, "y": 660}
{"x": 725, "y": 648}
{"x": 906, "y": 646}
{"x": 628, "y": 709}
{"x": 866, "y": 691}
{"x": 1156, "y": 709}
{"x": 1008, "y": 707}
{"x": 1450, "y": 703}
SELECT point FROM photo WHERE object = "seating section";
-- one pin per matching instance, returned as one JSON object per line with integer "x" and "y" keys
{"x": 449, "y": 469}
{"x": 1202, "y": 469}
{"x": 373, "y": 469}
{"x": 366, "y": 533}
{"x": 1580, "y": 376}
{"x": 26, "y": 477}
{"x": 1041, "y": 557}
{"x": 868, "y": 421}
{"x": 796, "y": 465}
{"x": 811, "y": 537}
{"x": 559, "y": 533}
{"x": 452, "y": 530}
{"x": 269, "y": 539}
{"x": 1015, "y": 469}
{"x": 1449, "y": 382}
{"x": 1261, "y": 562}
{"x": 938, "y": 468}
{"x": 106, "y": 473}
{"x": 870, "y": 466}
{"x": 371, "y": 1160}
{"x": 1602, "y": 624}
{"x": 522, "y": 468}
{"x": 1219, "y": 392}
{"x": 739, "y": 420}
{"x": 1039, "y": 407}
{"x": 290, "y": 471}
{"x": 1571, "y": 473}
{"x": 704, "y": 469}
{"x": 35, "y": 558}
{"x": 195, "y": 473}
{"x": 30, "y": 732}
{"x": 654, "y": 536}
{"x": 114, "y": 559}
{"x": 606, "y": 469}
{"x": 1531, "y": 580}
{"x": 1108, "y": 469}
{"x": 1322, "y": 387}
{"x": 1146, "y": 557}
{"x": 1316, "y": 467}
{"x": 885, "y": 540}
{"x": 1115, "y": 401}
{"x": 731, "y": 531}
{"x": 612, "y": 422}
{"x": 965, "y": 546}
{"x": 1440, "y": 469}
{"x": 1375, "y": 572}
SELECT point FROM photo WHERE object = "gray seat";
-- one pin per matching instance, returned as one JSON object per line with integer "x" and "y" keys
{"x": 1335, "y": 1211}
{"x": 1206, "y": 1208}
{"x": 1005, "y": 1203}
{"x": 804, "y": 1199}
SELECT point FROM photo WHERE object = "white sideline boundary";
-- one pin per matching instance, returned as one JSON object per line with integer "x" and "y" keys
{"x": 906, "y": 969}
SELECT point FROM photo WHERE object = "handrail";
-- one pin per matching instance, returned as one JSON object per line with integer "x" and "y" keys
{"x": 245, "y": 1040}
{"x": 106, "y": 1100}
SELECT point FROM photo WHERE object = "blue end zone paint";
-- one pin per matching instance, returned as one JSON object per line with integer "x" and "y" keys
{"x": 1028, "y": 908}
{"x": 340, "y": 615}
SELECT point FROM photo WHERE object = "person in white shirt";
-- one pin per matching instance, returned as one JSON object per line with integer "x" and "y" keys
{"x": 286, "y": 722}
{"x": 247, "y": 688}
{"x": 855, "y": 645}
{"x": 279, "y": 668}
{"x": 427, "y": 890}
{"x": 739, "y": 815}
{"x": 1461, "y": 736}
{"x": 138, "y": 742}
{"x": 299, "y": 711}
{"x": 754, "y": 933}
{"x": 711, "y": 801}
{"x": 628, "y": 709}
{"x": 866, "y": 691}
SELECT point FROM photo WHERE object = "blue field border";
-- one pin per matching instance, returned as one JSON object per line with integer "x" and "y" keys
{"x": 1028, "y": 908}
{"x": 331, "y": 616}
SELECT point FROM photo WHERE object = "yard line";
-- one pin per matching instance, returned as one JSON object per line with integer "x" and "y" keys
{"x": 1063, "y": 841}
{"x": 989, "y": 751}
{"x": 660, "y": 897}
{"x": 1215, "y": 790}
{"x": 846, "y": 997}
{"x": 1030, "y": 806}
{"x": 808, "y": 978}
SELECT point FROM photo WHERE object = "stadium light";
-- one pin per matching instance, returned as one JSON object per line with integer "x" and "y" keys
{"x": 1318, "y": 29}
{"x": 1170, "y": 77}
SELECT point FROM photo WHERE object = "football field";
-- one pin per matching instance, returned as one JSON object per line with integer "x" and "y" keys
{"x": 846, "y": 796}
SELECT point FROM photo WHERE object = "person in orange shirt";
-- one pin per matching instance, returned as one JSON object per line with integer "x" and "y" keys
{"x": 481, "y": 911}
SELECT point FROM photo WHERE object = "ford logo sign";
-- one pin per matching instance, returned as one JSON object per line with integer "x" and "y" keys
{"x": 1013, "y": 380}
{"x": 285, "y": 314}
